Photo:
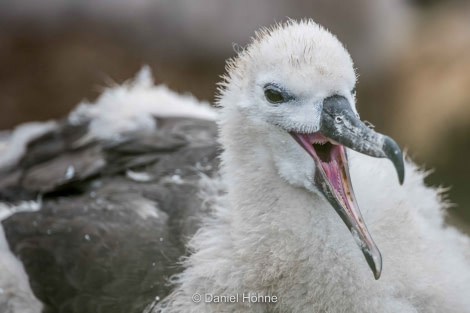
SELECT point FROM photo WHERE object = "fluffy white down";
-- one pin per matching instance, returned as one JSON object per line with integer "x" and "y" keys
{"x": 268, "y": 236}
{"x": 131, "y": 107}
{"x": 311, "y": 262}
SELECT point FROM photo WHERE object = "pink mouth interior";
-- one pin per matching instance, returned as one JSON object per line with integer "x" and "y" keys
{"x": 332, "y": 162}
{"x": 332, "y": 158}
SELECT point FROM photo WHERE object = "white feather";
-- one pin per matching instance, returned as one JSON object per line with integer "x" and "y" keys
{"x": 130, "y": 108}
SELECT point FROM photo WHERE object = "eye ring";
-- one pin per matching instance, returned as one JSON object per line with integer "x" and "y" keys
{"x": 274, "y": 96}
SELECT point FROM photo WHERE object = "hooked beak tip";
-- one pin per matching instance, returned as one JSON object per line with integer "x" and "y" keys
{"x": 394, "y": 154}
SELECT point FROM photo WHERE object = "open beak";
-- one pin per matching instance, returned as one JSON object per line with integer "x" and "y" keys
{"x": 340, "y": 127}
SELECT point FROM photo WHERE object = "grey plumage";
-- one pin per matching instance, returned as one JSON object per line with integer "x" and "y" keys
{"x": 103, "y": 241}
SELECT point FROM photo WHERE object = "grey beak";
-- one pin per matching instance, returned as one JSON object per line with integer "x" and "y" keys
{"x": 343, "y": 128}
{"x": 341, "y": 124}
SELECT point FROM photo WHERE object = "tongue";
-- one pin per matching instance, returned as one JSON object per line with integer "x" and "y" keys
{"x": 332, "y": 164}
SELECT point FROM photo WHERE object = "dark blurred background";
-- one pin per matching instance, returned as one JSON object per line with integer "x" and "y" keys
{"x": 413, "y": 58}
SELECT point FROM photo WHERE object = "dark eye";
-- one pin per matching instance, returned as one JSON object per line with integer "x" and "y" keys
{"x": 353, "y": 91}
{"x": 274, "y": 96}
